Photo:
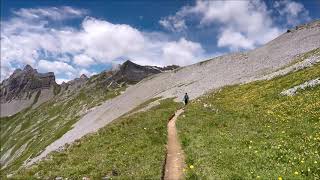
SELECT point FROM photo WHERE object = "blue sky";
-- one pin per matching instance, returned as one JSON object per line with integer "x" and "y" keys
{"x": 75, "y": 37}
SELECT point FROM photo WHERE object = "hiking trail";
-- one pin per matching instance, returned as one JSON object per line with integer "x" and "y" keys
{"x": 175, "y": 157}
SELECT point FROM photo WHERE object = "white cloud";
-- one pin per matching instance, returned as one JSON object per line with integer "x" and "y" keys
{"x": 55, "y": 66}
{"x": 234, "y": 40}
{"x": 83, "y": 60}
{"x": 173, "y": 23}
{"x": 182, "y": 52}
{"x": 68, "y": 51}
{"x": 86, "y": 72}
{"x": 53, "y": 13}
{"x": 243, "y": 24}
{"x": 61, "y": 80}
{"x": 294, "y": 12}
{"x": 107, "y": 41}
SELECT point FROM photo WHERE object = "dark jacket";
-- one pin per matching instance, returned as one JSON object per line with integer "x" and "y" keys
{"x": 186, "y": 98}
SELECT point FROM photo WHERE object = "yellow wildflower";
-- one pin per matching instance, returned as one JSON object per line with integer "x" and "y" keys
{"x": 191, "y": 166}
{"x": 296, "y": 173}
{"x": 279, "y": 178}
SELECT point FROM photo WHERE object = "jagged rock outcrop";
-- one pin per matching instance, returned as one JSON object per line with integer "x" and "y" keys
{"x": 77, "y": 83}
{"x": 25, "y": 81}
{"x": 132, "y": 73}
{"x": 25, "y": 88}
{"x": 128, "y": 73}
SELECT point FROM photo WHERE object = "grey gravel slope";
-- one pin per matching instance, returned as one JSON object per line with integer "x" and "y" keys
{"x": 197, "y": 79}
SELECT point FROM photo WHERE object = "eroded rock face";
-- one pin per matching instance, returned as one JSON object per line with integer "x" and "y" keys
{"x": 128, "y": 73}
{"x": 22, "y": 83}
{"x": 132, "y": 73}
{"x": 76, "y": 83}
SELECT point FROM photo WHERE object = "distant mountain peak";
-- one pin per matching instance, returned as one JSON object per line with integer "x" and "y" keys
{"x": 26, "y": 81}
{"x": 128, "y": 62}
{"x": 83, "y": 76}
{"x": 16, "y": 71}
{"x": 29, "y": 68}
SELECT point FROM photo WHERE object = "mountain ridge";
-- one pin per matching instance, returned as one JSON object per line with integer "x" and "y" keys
{"x": 23, "y": 85}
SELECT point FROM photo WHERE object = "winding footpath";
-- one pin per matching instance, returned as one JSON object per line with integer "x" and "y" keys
{"x": 175, "y": 157}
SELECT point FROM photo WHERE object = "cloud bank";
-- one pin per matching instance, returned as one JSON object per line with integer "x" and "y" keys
{"x": 243, "y": 24}
{"x": 28, "y": 38}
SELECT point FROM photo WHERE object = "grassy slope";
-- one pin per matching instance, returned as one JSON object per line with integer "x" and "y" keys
{"x": 251, "y": 131}
{"x": 130, "y": 147}
{"x": 41, "y": 126}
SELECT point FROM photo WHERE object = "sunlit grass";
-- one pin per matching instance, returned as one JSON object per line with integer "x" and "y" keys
{"x": 129, "y": 148}
{"x": 251, "y": 131}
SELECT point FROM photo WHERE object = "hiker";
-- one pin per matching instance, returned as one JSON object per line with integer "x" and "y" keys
{"x": 186, "y": 99}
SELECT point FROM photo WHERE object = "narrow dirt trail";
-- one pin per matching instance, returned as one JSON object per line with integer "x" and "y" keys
{"x": 175, "y": 158}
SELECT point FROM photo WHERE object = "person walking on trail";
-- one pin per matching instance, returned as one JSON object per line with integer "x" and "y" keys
{"x": 186, "y": 99}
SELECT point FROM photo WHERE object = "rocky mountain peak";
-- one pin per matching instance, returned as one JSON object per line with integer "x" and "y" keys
{"x": 130, "y": 72}
{"x": 25, "y": 81}
{"x": 127, "y": 65}
{"x": 128, "y": 62}
{"x": 83, "y": 76}
{"x": 28, "y": 68}
{"x": 17, "y": 71}
{"x": 75, "y": 83}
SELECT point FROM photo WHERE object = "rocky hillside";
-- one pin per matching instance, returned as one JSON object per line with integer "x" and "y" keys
{"x": 246, "y": 131}
{"x": 200, "y": 78}
{"x": 26, "y": 88}
{"x": 25, "y": 81}
{"x": 128, "y": 73}
{"x": 27, "y": 133}
{"x": 132, "y": 73}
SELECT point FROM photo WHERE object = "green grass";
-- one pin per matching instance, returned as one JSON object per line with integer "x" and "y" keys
{"x": 56, "y": 89}
{"x": 39, "y": 127}
{"x": 35, "y": 100}
{"x": 141, "y": 106}
{"x": 129, "y": 148}
{"x": 251, "y": 131}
